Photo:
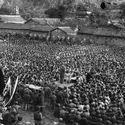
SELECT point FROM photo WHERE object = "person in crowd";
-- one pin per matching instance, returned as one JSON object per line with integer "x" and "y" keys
{"x": 9, "y": 117}
{"x": 38, "y": 117}
{"x": 97, "y": 93}
{"x": 27, "y": 98}
{"x": 62, "y": 73}
{"x": 19, "y": 121}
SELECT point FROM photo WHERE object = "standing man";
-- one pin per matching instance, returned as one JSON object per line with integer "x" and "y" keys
{"x": 62, "y": 74}
{"x": 38, "y": 117}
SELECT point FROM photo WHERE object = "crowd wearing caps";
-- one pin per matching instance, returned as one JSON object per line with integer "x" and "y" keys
{"x": 98, "y": 93}
{"x": 19, "y": 38}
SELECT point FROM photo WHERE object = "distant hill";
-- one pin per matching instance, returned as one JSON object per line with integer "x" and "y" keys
{"x": 48, "y": 3}
{"x": 43, "y": 3}
{"x": 97, "y": 2}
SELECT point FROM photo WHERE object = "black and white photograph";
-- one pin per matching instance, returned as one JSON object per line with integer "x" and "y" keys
{"x": 62, "y": 62}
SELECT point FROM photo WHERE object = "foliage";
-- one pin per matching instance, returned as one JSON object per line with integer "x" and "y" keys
{"x": 122, "y": 10}
{"x": 52, "y": 12}
{"x": 68, "y": 4}
{"x": 36, "y": 8}
{"x": 61, "y": 9}
{"x": 4, "y": 11}
{"x": 61, "y": 12}
{"x": 81, "y": 7}
{"x": 56, "y": 12}
{"x": 29, "y": 10}
{"x": 98, "y": 18}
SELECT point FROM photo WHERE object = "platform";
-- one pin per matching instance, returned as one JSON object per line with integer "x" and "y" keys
{"x": 58, "y": 84}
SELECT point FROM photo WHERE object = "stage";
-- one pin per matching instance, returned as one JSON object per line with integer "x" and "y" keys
{"x": 63, "y": 85}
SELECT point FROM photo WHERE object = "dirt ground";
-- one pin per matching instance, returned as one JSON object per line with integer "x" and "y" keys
{"x": 49, "y": 118}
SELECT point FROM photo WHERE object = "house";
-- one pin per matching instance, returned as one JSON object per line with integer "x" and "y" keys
{"x": 14, "y": 28}
{"x": 40, "y": 30}
{"x": 86, "y": 30}
{"x": 36, "y": 21}
{"x": 42, "y": 21}
{"x": 52, "y": 21}
{"x": 12, "y": 19}
{"x": 62, "y": 32}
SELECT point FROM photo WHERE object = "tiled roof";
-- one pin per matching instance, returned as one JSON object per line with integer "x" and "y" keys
{"x": 68, "y": 30}
{"x": 87, "y": 30}
{"x": 104, "y": 31}
{"x": 41, "y": 28}
{"x": 41, "y": 21}
{"x": 51, "y": 21}
{"x": 12, "y": 19}
{"x": 15, "y": 26}
{"x": 44, "y": 21}
{"x": 25, "y": 27}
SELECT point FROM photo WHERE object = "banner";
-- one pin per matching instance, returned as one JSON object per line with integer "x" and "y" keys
{"x": 14, "y": 90}
{"x": 7, "y": 87}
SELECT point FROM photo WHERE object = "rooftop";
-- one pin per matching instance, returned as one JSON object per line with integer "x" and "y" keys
{"x": 44, "y": 21}
{"x": 67, "y": 29}
{"x": 42, "y": 28}
{"x": 12, "y": 19}
{"x": 14, "y": 26}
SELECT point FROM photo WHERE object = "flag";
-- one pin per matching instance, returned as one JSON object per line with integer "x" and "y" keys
{"x": 14, "y": 90}
{"x": 7, "y": 87}
{"x": 2, "y": 84}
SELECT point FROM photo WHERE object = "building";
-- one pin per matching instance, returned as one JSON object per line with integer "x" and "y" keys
{"x": 14, "y": 28}
{"x": 12, "y": 19}
{"x": 39, "y": 30}
{"x": 62, "y": 32}
{"x": 52, "y": 21}
{"x": 36, "y": 21}
{"x": 42, "y": 21}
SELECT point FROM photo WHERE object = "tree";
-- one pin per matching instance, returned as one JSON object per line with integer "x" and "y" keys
{"x": 98, "y": 18}
{"x": 26, "y": 10}
{"x": 29, "y": 10}
{"x": 61, "y": 12}
{"x": 52, "y": 13}
{"x": 122, "y": 10}
{"x": 63, "y": 8}
{"x": 56, "y": 12}
{"x": 68, "y": 4}
{"x": 4, "y": 11}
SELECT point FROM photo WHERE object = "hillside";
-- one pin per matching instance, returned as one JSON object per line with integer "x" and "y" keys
{"x": 48, "y": 3}
{"x": 43, "y": 3}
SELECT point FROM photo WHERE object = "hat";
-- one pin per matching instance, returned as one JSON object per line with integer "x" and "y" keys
{"x": 60, "y": 119}
{"x": 72, "y": 111}
{"x": 63, "y": 107}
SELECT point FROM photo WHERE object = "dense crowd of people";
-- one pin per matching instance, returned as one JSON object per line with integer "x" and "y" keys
{"x": 22, "y": 38}
{"x": 97, "y": 95}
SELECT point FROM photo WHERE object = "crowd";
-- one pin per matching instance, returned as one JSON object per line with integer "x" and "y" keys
{"x": 22, "y": 38}
{"x": 97, "y": 96}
